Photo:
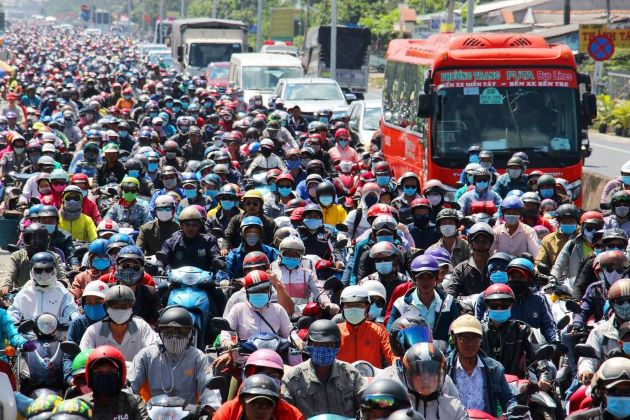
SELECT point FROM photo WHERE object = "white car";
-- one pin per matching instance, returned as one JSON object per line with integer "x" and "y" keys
{"x": 365, "y": 117}
{"x": 312, "y": 94}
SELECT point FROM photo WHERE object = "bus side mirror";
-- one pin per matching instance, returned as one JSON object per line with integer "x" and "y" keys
{"x": 425, "y": 106}
{"x": 180, "y": 53}
{"x": 589, "y": 102}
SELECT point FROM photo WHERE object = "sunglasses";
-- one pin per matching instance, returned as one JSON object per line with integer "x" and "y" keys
{"x": 129, "y": 190}
{"x": 621, "y": 301}
{"x": 619, "y": 270}
{"x": 497, "y": 305}
{"x": 375, "y": 402}
{"x": 43, "y": 270}
{"x": 129, "y": 266}
{"x": 252, "y": 203}
{"x": 191, "y": 223}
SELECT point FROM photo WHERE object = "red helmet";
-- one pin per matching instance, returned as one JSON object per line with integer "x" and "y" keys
{"x": 106, "y": 353}
{"x": 313, "y": 309}
{"x": 592, "y": 216}
{"x": 236, "y": 136}
{"x": 255, "y": 259}
{"x": 286, "y": 176}
{"x": 382, "y": 166}
{"x": 498, "y": 291}
{"x": 378, "y": 209}
{"x": 295, "y": 203}
{"x": 316, "y": 136}
{"x": 273, "y": 173}
{"x": 420, "y": 202}
{"x": 79, "y": 178}
{"x": 342, "y": 133}
{"x": 296, "y": 215}
{"x": 255, "y": 278}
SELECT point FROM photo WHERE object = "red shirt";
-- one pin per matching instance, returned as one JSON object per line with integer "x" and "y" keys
{"x": 540, "y": 221}
{"x": 399, "y": 291}
{"x": 89, "y": 208}
{"x": 233, "y": 410}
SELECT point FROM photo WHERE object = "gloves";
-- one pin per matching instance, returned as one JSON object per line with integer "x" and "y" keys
{"x": 29, "y": 346}
{"x": 333, "y": 308}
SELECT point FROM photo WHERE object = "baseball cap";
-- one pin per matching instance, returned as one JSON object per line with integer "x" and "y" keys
{"x": 466, "y": 324}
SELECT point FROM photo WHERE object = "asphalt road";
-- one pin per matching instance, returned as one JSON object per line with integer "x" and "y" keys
{"x": 609, "y": 153}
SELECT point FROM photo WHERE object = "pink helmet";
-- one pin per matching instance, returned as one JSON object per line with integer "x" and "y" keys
{"x": 265, "y": 358}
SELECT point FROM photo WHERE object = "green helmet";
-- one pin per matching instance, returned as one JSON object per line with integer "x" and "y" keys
{"x": 78, "y": 364}
{"x": 59, "y": 174}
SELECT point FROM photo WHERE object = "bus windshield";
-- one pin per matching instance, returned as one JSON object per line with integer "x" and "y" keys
{"x": 541, "y": 121}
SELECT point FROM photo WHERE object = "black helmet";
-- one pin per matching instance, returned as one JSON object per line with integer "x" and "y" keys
{"x": 500, "y": 259}
{"x": 516, "y": 161}
{"x": 324, "y": 331}
{"x": 175, "y": 316}
{"x": 407, "y": 331}
{"x": 568, "y": 210}
{"x": 614, "y": 233}
{"x": 325, "y": 188}
{"x": 422, "y": 360}
{"x": 371, "y": 398}
{"x": 132, "y": 164}
{"x": 546, "y": 179}
{"x": 405, "y": 414}
{"x": 259, "y": 385}
{"x": 36, "y": 238}
{"x": 447, "y": 214}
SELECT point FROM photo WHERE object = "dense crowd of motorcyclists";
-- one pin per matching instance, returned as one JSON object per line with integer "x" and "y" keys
{"x": 183, "y": 251}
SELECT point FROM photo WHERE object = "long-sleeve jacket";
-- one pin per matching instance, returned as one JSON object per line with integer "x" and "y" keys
{"x": 63, "y": 240}
{"x": 550, "y": 247}
{"x": 233, "y": 231}
{"x": 568, "y": 262}
{"x": 467, "y": 279}
{"x": 9, "y": 332}
{"x": 234, "y": 260}
{"x": 586, "y": 276}
{"x": 505, "y": 184}
{"x": 136, "y": 215}
{"x": 198, "y": 252}
{"x": 153, "y": 234}
{"x": 593, "y": 302}
{"x": 33, "y": 300}
{"x": 81, "y": 229}
{"x": 603, "y": 338}
{"x": 124, "y": 406}
{"x": 367, "y": 341}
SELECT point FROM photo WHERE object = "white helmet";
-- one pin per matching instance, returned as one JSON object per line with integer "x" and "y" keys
{"x": 291, "y": 242}
{"x": 375, "y": 288}
{"x": 354, "y": 294}
{"x": 96, "y": 288}
{"x": 283, "y": 221}
{"x": 165, "y": 200}
{"x": 108, "y": 225}
{"x": 625, "y": 168}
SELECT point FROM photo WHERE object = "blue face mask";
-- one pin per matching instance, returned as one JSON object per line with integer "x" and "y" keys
{"x": 291, "y": 262}
{"x": 481, "y": 185}
{"x": 313, "y": 224}
{"x": 326, "y": 200}
{"x": 568, "y": 229}
{"x": 227, "y": 204}
{"x": 210, "y": 193}
{"x": 169, "y": 104}
{"x": 190, "y": 194}
{"x": 382, "y": 180}
{"x": 474, "y": 158}
{"x": 294, "y": 165}
{"x": 152, "y": 167}
{"x": 123, "y": 133}
{"x": 622, "y": 311}
{"x": 322, "y": 356}
{"x": 499, "y": 277}
{"x": 375, "y": 311}
{"x": 385, "y": 238}
{"x": 470, "y": 179}
{"x": 342, "y": 143}
{"x": 94, "y": 312}
{"x": 177, "y": 109}
{"x": 101, "y": 263}
{"x": 185, "y": 105}
{"x": 272, "y": 187}
{"x": 284, "y": 191}
{"x": 618, "y": 406}
{"x": 384, "y": 267}
{"x": 50, "y": 228}
{"x": 626, "y": 179}
{"x": 410, "y": 190}
{"x": 626, "y": 348}
{"x": 546, "y": 192}
{"x": 354, "y": 315}
{"x": 499, "y": 315}
{"x": 134, "y": 173}
{"x": 258, "y": 300}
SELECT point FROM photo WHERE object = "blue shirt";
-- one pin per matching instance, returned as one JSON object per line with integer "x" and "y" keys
{"x": 427, "y": 313}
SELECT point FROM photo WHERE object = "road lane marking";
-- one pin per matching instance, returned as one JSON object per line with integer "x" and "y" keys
{"x": 616, "y": 149}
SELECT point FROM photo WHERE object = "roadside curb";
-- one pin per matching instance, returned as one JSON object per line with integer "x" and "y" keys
{"x": 609, "y": 137}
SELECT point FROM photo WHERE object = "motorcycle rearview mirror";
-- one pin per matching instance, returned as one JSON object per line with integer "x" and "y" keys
{"x": 584, "y": 350}
{"x": 304, "y": 322}
{"x": 218, "y": 264}
{"x": 216, "y": 382}
{"x": 112, "y": 192}
{"x": 70, "y": 348}
{"x": 333, "y": 283}
{"x": 564, "y": 321}
{"x": 12, "y": 248}
{"x": 217, "y": 232}
{"x": 543, "y": 269}
{"x": 573, "y": 306}
{"x": 341, "y": 227}
{"x": 161, "y": 257}
{"x": 221, "y": 324}
{"x": 544, "y": 352}
{"x": 26, "y": 326}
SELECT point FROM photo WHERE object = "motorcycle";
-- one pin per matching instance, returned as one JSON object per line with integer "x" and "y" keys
{"x": 579, "y": 400}
{"x": 163, "y": 407}
{"x": 8, "y": 406}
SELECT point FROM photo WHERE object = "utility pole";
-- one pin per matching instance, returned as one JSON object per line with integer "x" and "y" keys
{"x": 214, "y": 9}
{"x": 259, "y": 23}
{"x": 182, "y": 8}
{"x": 567, "y": 12}
{"x": 470, "y": 16}
{"x": 161, "y": 9}
{"x": 333, "y": 42}
{"x": 449, "y": 25}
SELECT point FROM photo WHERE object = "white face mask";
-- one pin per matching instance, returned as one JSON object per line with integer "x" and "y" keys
{"x": 120, "y": 316}
{"x": 164, "y": 216}
{"x": 44, "y": 279}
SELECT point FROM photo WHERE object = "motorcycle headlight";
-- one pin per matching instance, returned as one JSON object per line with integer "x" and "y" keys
{"x": 47, "y": 324}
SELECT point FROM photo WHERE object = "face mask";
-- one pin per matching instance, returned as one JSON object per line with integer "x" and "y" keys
{"x": 568, "y": 229}
{"x": 273, "y": 187}
{"x": 511, "y": 219}
{"x": 293, "y": 165}
{"x": 134, "y": 173}
{"x": 170, "y": 184}
{"x": 105, "y": 385}
{"x": 354, "y": 315}
{"x": 597, "y": 251}
{"x": 448, "y": 230}
{"x": 169, "y": 104}
{"x": 384, "y": 267}
{"x": 370, "y": 200}
{"x": 481, "y": 185}
{"x": 485, "y": 165}
{"x": 265, "y": 152}
{"x": 58, "y": 188}
{"x": 95, "y": 312}
{"x": 588, "y": 235}
{"x": 546, "y": 192}
{"x": 291, "y": 262}
{"x": 123, "y": 133}
{"x": 610, "y": 278}
{"x": 322, "y": 356}
{"x": 421, "y": 220}
{"x": 210, "y": 193}
{"x": 153, "y": 167}
{"x": 129, "y": 196}
{"x": 313, "y": 224}
{"x": 72, "y": 205}
{"x": 84, "y": 193}
{"x": 499, "y": 315}
{"x": 258, "y": 300}
{"x": 514, "y": 173}
{"x": 626, "y": 348}
{"x": 618, "y": 406}
{"x": 51, "y": 228}
{"x": 177, "y": 109}
{"x": 284, "y": 191}
{"x": 374, "y": 312}
{"x": 100, "y": 263}
{"x": 127, "y": 97}
{"x": 622, "y": 211}
{"x": 18, "y": 150}
{"x": 207, "y": 105}
{"x": 128, "y": 276}
{"x": 44, "y": 279}
{"x": 434, "y": 199}
{"x": 252, "y": 239}
{"x": 120, "y": 316}
{"x": 470, "y": 179}
{"x": 227, "y": 204}
{"x": 622, "y": 311}
{"x": 45, "y": 191}
{"x": 410, "y": 190}
{"x": 342, "y": 143}
{"x": 175, "y": 344}
{"x": 382, "y": 180}
{"x": 171, "y": 155}
{"x": 473, "y": 158}
{"x": 326, "y": 200}
{"x": 164, "y": 215}
{"x": 499, "y": 277}
{"x": 385, "y": 238}
{"x": 190, "y": 194}
{"x": 518, "y": 287}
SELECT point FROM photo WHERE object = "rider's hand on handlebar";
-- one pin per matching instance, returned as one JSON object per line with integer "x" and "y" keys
{"x": 585, "y": 377}
{"x": 544, "y": 385}
{"x": 223, "y": 252}
{"x": 575, "y": 327}
{"x": 4, "y": 291}
{"x": 29, "y": 346}
{"x": 223, "y": 361}
{"x": 332, "y": 308}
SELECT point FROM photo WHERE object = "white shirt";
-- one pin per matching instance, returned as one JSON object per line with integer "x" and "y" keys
{"x": 471, "y": 388}
{"x": 138, "y": 336}
{"x": 245, "y": 320}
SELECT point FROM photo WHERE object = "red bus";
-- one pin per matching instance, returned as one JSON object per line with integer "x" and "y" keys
{"x": 502, "y": 92}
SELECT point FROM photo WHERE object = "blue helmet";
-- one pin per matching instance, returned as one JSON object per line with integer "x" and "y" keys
{"x": 441, "y": 255}
{"x": 251, "y": 221}
{"x": 424, "y": 264}
{"x": 522, "y": 264}
{"x": 98, "y": 247}
{"x": 517, "y": 193}
{"x": 212, "y": 179}
{"x": 500, "y": 260}
{"x": 512, "y": 202}
{"x": 43, "y": 260}
{"x": 188, "y": 177}
{"x": 130, "y": 252}
{"x": 35, "y": 210}
{"x": 228, "y": 190}
{"x": 119, "y": 240}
